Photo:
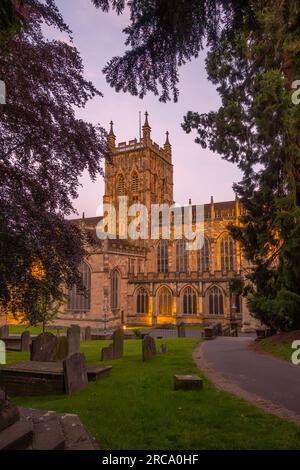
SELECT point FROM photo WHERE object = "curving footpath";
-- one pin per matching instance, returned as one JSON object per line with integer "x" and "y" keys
{"x": 270, "y": 383}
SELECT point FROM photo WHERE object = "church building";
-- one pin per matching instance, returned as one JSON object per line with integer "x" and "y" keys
{"x": 156, "y": 282}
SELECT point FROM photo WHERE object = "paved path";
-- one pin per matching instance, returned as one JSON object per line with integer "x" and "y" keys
{"x": 259, "y": 374}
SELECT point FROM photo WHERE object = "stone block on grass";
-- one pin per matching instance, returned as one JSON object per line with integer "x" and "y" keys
{"x": 188, "y": 382}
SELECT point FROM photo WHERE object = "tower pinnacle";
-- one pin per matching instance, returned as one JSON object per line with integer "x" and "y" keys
{"x": 146, "y": 129}
{"x": 167, "y": 146}
{"x": 111, "y": 136}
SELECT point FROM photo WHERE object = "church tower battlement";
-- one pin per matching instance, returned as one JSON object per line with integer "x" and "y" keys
{"x": 139, "y": 169}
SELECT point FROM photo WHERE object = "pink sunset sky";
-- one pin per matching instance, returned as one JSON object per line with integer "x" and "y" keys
{"x": 198, "y": 173}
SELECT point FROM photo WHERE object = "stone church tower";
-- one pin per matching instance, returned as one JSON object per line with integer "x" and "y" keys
{"x": 140, "y": 170}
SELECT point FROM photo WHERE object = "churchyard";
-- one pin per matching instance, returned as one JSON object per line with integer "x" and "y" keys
{"x": 137, "y": 407}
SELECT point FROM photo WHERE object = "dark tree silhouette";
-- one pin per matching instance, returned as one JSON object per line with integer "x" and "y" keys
{"x": 44, "y": 149}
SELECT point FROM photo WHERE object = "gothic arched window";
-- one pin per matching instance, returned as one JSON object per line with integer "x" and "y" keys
{"x": 164, "y": 301}
{"x": 162, "y": 257}
{"x": 134, "y": 182}
{"x": 115, "y": 289}
{"x": 142, "y": 301}
{"x": 189, "y": 301}
{"x": 79, "y": 298}
{"x": 227, "y": 250}
{"x": 216, "y": 304}
{"x": 203, "y": 256}
{"x": 120, "y": 185}
{"x": 181, "y": 257}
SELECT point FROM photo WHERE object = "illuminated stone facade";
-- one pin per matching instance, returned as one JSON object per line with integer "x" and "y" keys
{"x": 153, "y": 282}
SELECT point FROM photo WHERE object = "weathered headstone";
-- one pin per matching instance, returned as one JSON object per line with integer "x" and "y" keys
{"x": 43, "y": 348}
{"x": 25, "y": 341}
{"x": 62, "y": 348}
{"x": 115, "y": 349}
{"x": 2, "y": 352}
{"x": 163, "y": 348}
{"x": 118, "y": 343}
{"x": 75, "y": 373}
{"x": 4, "y": 331}
{"x": 181, "y": 330}
{"x": 9, "y": 413}
{"x": 88, "y": 333}
{"x": 73, "y": 335}
{"x": 108, "y": 353}
{"x": 148, "y": 348}
{"x": 187, "y": 382}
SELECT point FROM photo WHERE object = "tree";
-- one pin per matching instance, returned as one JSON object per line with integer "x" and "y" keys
{"x": 44, "y": 149}
{"x": 12, "y": 18}
{"x": 253, "y": 58}
{"x": 163, "y": 35}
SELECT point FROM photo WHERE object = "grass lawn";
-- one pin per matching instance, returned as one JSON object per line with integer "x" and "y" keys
{"x": 281, "y": 350}
{"x": 34, "y": 330}
{"x": 136, "y": 408}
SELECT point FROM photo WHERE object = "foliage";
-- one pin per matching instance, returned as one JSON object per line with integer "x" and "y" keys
{"x": 162, "y": 36}
{"x": 12, "y": 18}
{"x": 253, "y": 59}
{"x": 44, "y": 149}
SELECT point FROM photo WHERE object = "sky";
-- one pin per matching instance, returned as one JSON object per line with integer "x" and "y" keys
{"x": 198, "y": 173}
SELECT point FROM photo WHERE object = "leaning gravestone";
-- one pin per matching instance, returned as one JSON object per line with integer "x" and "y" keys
{"x": 4, "y": 331}
{"x": 163, "y": 348}
{"x": 88, "y": 333}
{"x": 115, "y": 349}
{"x": 118, "y": 343}
{"x": 73, "y": 335}
{"x": 148, "y": 348}
{"x": 75, "y": 373}
{"x": 9, "y": 413}
{"x": 62, "y": 348}
{"x": 43, "y": 349}
{"x": 181, "y": 330}
{"x": 25, "y": 341}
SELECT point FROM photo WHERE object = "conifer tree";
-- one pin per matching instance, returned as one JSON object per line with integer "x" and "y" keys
{"x": 253, "y": 59}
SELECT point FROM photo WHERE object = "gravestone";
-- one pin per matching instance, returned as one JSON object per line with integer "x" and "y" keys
{"x": 187, "y": 382}
{"x": 118, "y": 343}
{"x": 25, "y": 341}
{"x": 62, "y": 348}
{"x": 181, "y": 330}
{"x": 73, "y": 335}
{"x": 115, "y": 349}
{"x": 75, "y": 373}
{"x": 163, "y": 348}
{"x": 43, "y": 349}
{"x": 9, "y": 413}
{"x": 148, "y": 348}
{"x": 88, "y": 333}
{"x": 4, "y": 331}
{"x": 2, "y": 352}
{"x": 108, "y": 353}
